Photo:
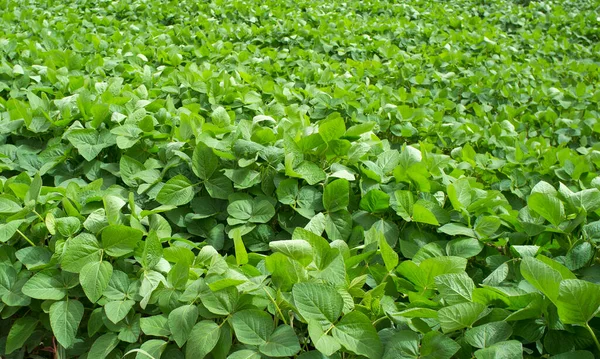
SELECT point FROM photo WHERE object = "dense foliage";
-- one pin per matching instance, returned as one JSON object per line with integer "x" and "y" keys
{"x": 299, "y": 178}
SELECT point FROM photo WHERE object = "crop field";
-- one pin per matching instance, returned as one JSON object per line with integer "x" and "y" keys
{"x": 305, "y": 179}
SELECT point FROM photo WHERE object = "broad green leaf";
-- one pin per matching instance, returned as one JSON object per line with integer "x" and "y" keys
{"x": 336, "y": 195}
{"x": 455, "y": 288}
{"x": 202, "y": 339}
{"x": 282, "y": 343}
{"x": 488, "y": 334}
{"x": 244, "y": 354}
{"x": 156, "y": 325}
{"x": 255, "y": 211}
{"x": 549, "y": 207}
{"x": 541, "y": 276}
{"x": 45, "y": 285}
{"x": 375, "y": 201}
{"x": 511, "y": 349}
{"x": 8, "y": 230}
{"x": 103, "y": 346}
{"x": 181, "y": 321}
{"x": 94, "y": 279}
{"x": 80, "y": 251}
{"x": 117, "y": 310}
{"x": 423, "y": 214}
{"x": 176, "y": 192}
{"x": 19, "y": 332}
{"x": 357, "y": 335}
{"x": 459, "y": 316}
{"x": 220, "y": 117}
{"x": 576, "y": 354}
{"x": 8, "y": 206}
{"x": 390, "y": 257}
{"x": 438, "y": 346}
{"x": 65, "y": 317}
{"x": 324, "y": 343}
{"x": 404, "y": 204}
{"x": 90, "y": 142}
{"x": 578, "y": 301}
{"x": 252, "y": 326}
{"x": 332, "y": 128}
{"x": 297, "y": 249}
{"x": 464, "y": 247}
{"x": 119, "y": 240}
{"x": 152, "y": 348}
{"x": 204, "y": 161}
{"x": 153, "y": 250}
{"x": 316, "y": 301}
{"x": 403, "y": 344}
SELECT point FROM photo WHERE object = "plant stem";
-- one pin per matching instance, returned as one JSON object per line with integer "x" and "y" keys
{"x": 27, "y": 239}
{"x": 276, "y": 306}
{"x": 587, "y": 325}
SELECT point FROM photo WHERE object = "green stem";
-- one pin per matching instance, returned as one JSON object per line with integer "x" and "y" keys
{"x": 276, "y": 306}
{"x": 39, "y": 215}
{"x": 27, "y": 239}
{"x": 587, "y": 325}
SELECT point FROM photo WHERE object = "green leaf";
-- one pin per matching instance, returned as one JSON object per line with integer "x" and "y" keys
{"x": 403, "y": 344}
{"x": 156, "y": 325}
{"x": 324, "y": 343}
{"x": 8, "y": 230}
{"x": 488, "y": 334}
{"x": 117, "y": 310}
{"x": 176, "y": 192}
{"x": 241, "y": 255}
{"x": 375, "y": 201}
{"x": 576, "y": 354}
{"x": 459, "y": 316}
{"x": 282, "y": 343}
{"x": 318, "y": 301}
{"x": 455, "y": 288}
{"x": 404, "y": 204}
{"x": 336, "y": 195}
{"x": 204, "y": 161}
{"x": 119, "y": 240}
{"x": 152, "y": 348}
{"x": 152, "y": 252}
{"x": 332, "y": 128}
{"x": 94, "y": 279}
{"x": 423, "y": 214}
{"x": 390, "y": 257}
{"x": 549, "y": 207}
{"x": 220, "y": 117}
{"x": 90, "y": 142}
{"x": 103, "y": 346}
{"x": 244, "y": 354}
{"x": 579, "y": 256}
{"x": 255, "y": 211}
{"x": 459, "y": 194}
{"x": 464, "y": 247}
{"x": 511, "y": 349}
{"x": 435, "y": 345}
{"x": 45, "y": 285}
{"x": 203, "y": 339}
{"x": 357, "y": 335}
{"x": 181, "y": 320}
{"x": 20, "y": 331}
{"x": 8, "y": 206}
{"x": 65, "y": 317}
{"x": 252, "y": 326}
{"x": 541, "y": 276}
{"x": 128, "y": 168}
{"x": 297, "y": 249}
{"x": 578, "y": 301}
